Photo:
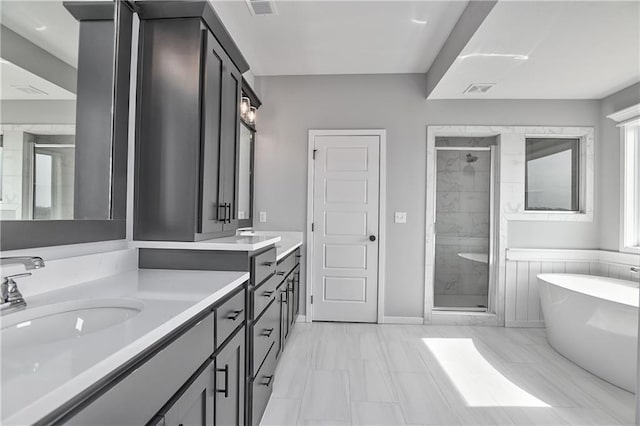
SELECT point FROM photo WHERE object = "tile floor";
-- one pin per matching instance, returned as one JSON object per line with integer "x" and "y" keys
{"x": 361, "y": 374}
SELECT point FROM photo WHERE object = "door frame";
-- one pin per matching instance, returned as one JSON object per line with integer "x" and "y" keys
{"x": 382, "y": 206}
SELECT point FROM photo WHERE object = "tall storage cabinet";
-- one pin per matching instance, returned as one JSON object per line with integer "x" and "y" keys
{"x": 189, "y": 88}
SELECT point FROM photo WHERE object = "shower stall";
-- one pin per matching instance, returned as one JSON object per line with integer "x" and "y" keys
{"x": 463, "y": 228}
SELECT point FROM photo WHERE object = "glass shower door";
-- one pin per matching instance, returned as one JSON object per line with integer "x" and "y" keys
{"x": 463, "y": 199}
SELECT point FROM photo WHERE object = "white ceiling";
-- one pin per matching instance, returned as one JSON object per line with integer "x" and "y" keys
{"x": 341, "y": 37}
{"x": 12, "y": 75}
{"x": 46, "y": 24}
{"x": 575, "y": 50}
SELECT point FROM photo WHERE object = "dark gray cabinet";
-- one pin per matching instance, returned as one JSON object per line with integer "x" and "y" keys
{"x": 230, "y": 383}
{"x": 189, "y": 88}
{"x": 193, "y": 404}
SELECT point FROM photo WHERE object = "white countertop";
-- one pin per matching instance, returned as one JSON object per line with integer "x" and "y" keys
{"x": 289, "y": 240}
{"x": 38, "y": 379}
{"x": 234, "y": 243}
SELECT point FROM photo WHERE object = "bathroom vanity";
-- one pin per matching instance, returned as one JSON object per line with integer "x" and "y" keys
{"x": 272, "y": 297}
{"x": 166, "y": 332}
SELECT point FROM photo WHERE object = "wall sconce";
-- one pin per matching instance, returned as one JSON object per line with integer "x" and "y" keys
{"x": 245, "y": 105}
{"x": 251, "y": 116}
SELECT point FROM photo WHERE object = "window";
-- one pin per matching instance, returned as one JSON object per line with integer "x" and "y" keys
{"x": 628, "y": 120}
{"x": 552, "y": 174}
{"x": 630, "y": 234}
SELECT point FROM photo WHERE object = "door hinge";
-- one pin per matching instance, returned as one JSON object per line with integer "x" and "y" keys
{"x": 313, "y": 227}
{"x": 312, "y": 299}
{"x": 315, "y": 151}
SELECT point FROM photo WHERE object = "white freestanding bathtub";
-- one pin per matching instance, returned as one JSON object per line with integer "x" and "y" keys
{"x": 593, "y": 321}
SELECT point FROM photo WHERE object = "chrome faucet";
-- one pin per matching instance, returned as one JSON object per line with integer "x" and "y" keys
{"x": 29, "y": 262}
{"x": 11, "y": 296}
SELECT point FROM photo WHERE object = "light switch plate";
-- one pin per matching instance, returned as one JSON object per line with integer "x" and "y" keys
{"x": 263, "y": 217}
{"x": 400, "y": 217}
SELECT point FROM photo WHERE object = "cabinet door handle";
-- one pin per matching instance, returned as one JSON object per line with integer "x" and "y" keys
{"x": 222, "y": 213}
{"x": 228, "y": 212}
{"x": 281, "y": 273}
{"x": 267, "y": 263}
{"x": 268, "y": 381}
{"x": 235, "y": 314}
{"x": 267, "y": 332}
{"x": 267, "y": 293}
{"x": 224, "y": 370}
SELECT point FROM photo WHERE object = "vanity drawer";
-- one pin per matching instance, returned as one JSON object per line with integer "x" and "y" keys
{"x": 263, "y": 265}
{"x": 147, "y": 387}
{"x": 263, "y": 386}
{"x": 229, "y": 316}
{"x": 286, "y": 265}
{"x": 265, "y": 333}
{"x": 262, "y": 295}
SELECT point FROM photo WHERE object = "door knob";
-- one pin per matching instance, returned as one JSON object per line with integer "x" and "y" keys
{"x": 372, "y": 237}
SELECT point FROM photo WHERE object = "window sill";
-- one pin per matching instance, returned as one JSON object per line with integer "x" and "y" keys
{"x": 550, "y": 216}
{"x": 633, "y": 250}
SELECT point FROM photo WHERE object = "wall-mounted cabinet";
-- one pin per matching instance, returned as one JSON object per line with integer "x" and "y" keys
{"x": 189, "y": 89}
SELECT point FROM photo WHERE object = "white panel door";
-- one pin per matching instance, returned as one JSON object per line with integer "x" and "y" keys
{"x": 345, "y": 237}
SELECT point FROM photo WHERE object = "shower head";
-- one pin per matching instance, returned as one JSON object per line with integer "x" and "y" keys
{"x": 471, "y": 158}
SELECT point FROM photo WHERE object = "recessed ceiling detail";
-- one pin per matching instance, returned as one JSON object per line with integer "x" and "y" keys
{"x": 549, "y": 50}
{"x": 314, "y": 37}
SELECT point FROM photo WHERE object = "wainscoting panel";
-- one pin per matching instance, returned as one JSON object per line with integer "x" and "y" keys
{"x": 522, "y": 267}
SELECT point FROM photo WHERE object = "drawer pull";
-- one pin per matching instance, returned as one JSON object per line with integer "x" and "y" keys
{"x": 233, "y": 316}
{"x": 224, "y": 370}
{"x": 267, "y": 293}
{"x": 267, "y": 263}
{"x": 267, "y": 332}
{"x": 268, "y": 381}
{"x": 281, "y": 273}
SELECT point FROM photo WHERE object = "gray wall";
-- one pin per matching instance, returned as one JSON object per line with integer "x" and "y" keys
{"x": 37, "y": 112}
{"x": 608, "y": 166}
{"x": 294, "y": 104}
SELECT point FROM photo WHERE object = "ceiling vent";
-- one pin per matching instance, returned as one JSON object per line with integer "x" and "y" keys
{"x": 29, "y": 90}
{"x": 262, "y": 7}
{"x": 478, "y": 88}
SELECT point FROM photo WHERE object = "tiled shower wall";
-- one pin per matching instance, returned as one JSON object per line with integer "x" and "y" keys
{"x": 462, "y": 226}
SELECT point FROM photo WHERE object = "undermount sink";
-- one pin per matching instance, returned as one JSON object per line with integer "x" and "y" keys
{"x": 66, "y": 320}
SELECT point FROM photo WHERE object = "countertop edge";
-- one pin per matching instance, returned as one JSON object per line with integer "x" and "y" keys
{"x": 199, "y": 245}
{"x": 288, "y": 251}
{"x": 60, "y": 398}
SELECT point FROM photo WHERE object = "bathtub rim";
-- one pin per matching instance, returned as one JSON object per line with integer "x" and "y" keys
{"x": 632, "y": 300}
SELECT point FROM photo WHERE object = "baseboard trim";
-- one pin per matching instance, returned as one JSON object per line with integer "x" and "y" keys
{"x": 403, "y": 320}
{"x": 524, "y": 324}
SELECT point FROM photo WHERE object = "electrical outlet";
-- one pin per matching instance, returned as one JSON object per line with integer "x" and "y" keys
{"x": 400, "y": 217}
{"x": 263, "y": 217}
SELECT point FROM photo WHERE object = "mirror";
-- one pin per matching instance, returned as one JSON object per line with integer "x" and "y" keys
{"x": 245, "y": 170}
{"x": 57, "y": 64}
{"x": 65, "y": 73}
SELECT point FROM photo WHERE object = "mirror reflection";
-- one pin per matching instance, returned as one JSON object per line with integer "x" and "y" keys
{"x": 56, "y": 72}
{"x": 244, "y": 173}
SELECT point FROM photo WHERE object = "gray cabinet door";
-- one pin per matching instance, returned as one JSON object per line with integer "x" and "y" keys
{"x": 194, "y": 406}
{"x": 229, "y": 142}
{"x": 230, "y": 382}
{"x": 211, "y": 208}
